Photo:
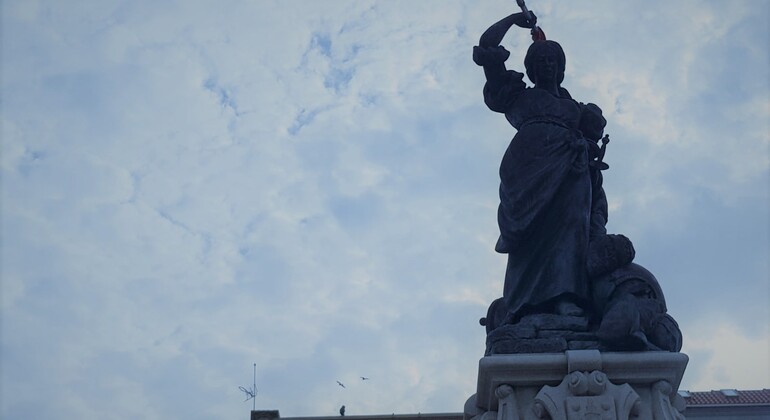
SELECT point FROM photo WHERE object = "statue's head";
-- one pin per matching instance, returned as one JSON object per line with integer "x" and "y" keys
{"x": 545, "y": 61}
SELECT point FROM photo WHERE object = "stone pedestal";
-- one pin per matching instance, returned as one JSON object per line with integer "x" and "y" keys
{"x": 579, "y": 384}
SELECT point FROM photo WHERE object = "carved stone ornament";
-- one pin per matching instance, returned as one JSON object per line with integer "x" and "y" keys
{"x": 583, "y": 395}
{"x": 579, "y": 384}
{"x": 662, "y": 407}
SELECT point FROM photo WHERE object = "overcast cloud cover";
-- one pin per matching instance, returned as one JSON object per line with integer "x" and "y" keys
{"x": 190, "y": 187}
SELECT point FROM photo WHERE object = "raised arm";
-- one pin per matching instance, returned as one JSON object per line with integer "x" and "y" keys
{"x": 493, "y": 36}
{"x": 489, "y": 53}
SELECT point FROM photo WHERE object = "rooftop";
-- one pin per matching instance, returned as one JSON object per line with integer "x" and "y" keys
{"x": 726, "y": 397}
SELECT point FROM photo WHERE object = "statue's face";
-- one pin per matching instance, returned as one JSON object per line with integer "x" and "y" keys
{"x": 546, "y": 68}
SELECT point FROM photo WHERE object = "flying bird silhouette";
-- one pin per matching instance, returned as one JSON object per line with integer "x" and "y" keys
{"x": 363, "y": 378}
{"x": 340, "y": 384}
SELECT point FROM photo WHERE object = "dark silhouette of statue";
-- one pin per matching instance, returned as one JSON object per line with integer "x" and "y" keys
{"x": 565, "y": 275}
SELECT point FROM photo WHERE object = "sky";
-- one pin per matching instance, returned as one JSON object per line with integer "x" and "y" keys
{"x": 192, "y": 187}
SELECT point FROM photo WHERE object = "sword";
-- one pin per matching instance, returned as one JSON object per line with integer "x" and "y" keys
{"x": 537, "y": 33}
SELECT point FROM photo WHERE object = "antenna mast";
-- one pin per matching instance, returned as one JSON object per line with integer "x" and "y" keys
{"x": 251, "y": 394}
{"x": 254, "y": 403}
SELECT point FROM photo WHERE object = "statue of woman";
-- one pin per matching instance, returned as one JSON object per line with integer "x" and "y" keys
{"x": 551, "y": 197}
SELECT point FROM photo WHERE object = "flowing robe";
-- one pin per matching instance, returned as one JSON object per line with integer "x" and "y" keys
{"x": 551, "y": 198}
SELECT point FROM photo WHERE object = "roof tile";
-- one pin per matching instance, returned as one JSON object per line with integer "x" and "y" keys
{"x": 720, "y": 398}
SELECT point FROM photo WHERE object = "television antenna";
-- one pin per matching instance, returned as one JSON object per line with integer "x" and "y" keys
{"x": 251, "y": 393}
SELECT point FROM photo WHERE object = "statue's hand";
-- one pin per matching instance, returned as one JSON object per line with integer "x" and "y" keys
{"x": 522, "y": 21}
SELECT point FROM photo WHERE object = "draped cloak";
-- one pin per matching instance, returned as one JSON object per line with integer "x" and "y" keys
{"x": 551, "y": 196}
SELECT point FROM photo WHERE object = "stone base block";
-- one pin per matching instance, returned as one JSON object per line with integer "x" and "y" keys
{"x": 579, "y": 384}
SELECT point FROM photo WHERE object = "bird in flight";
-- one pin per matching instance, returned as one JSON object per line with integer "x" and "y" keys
{"x": 340, "y": 384}
{"x": 363, "y": 378}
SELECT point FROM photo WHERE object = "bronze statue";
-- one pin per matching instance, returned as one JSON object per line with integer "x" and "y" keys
{"x": 562, "y": 265}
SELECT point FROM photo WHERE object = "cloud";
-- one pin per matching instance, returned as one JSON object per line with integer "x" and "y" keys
{"x": 312, "y": 186}
{"x": 717, "y": 364}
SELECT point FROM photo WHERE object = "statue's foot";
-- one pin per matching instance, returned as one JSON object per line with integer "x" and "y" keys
{"x": 565, "y": 307}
